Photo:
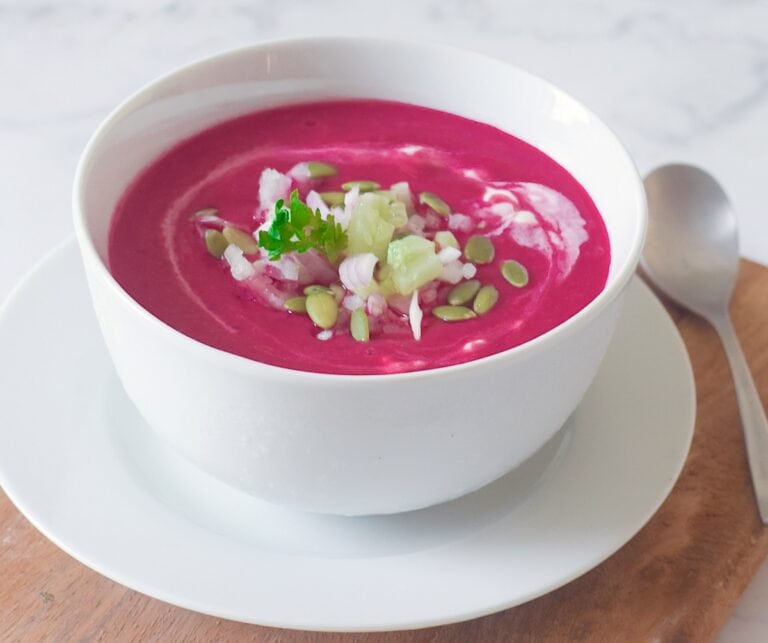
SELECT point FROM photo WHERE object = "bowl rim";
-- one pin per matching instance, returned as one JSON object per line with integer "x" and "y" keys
{"x": 236, "y": 362}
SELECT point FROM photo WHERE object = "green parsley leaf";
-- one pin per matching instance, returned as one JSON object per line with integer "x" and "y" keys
{"x": 296, "y": 228}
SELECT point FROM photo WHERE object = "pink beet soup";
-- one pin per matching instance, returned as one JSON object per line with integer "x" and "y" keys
{"x": 495, "y": 185}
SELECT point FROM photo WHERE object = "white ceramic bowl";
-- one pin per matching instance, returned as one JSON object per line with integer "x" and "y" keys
{"x": 354, "y": 444}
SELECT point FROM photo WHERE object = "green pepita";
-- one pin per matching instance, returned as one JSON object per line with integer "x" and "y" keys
{"x": 319, "y": 170}
{"x": 479, "y": 250}
{"x": 337, "y": 291}
{"x": 463, "y": 292}
{"x": 322, "y": 309}
{"x": 453, "y": 313}
{"x": 241, "y": 239}
{"x": 205, "y": 212}
{"x": 436, "y": 203}
{"x": 485, "y": 299}
{"x": 358, "y": 325}
{"x": 315, "y": 288}
{"x": 332, "y": 198}
{"x": 363, "y": 186}
{"x": 296, "y": 304}
{"x": 446, "y": 239}
{"x": 216, "y": 243}
{"x": 515, "y": 273}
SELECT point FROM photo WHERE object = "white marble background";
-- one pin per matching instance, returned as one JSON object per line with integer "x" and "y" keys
{"x": 684, "y": 80}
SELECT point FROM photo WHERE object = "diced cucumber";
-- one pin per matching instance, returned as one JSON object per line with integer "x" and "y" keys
{"x": 397, "y": 214}
{"x": 389, "y": 208}
{"x": 412, "y": 263}
{"x": 367, "y": 230}
{"x": 386, "y": 283}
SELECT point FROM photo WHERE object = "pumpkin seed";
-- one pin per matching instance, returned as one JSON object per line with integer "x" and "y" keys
{"x": 314, "y": 288}
{"x": 485, "y": 299}
{"x": 332, "y": 198}
{"x": 358, "y": 325}
{"x": 337, "y": 292}
{"x": 463, "y": 293}
{"x": 479, "y": 250}
{"x": 363, "y": 186}
{"x": 446, "y": 239}
{"x": 453, "y": 313}
{"x": 515, "y": 273}
{"x": 296, "y": 304}
{"x": 205, "y": 212}
{"x": 216, "y": 243}
{"x": 436, "y": 203}
{"x": 241, "y": 239}
{"x": 319, "y": 170}
{"x": 322, "y": 309}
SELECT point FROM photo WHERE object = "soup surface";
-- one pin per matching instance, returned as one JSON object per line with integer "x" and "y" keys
{"x": 185, "y": 237}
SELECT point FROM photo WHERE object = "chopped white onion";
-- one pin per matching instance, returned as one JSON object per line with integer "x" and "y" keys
{"x": 415, "y": 315}
{"x": 401, "y": 303}
{"x": 462, "y": 222}
{"x": 356, "y": 272}
{"x": 314, "y": 267}
{"x": 353, "y": 302}
{"x": 340, "y": 216}
{"x": 448, "y": 254}
{"x": 239, "y": 266}
{"x": 324, "y": 335}
{"x": 432, "y": 221}
{"x": 350, "y": 201}
{"x": 468, "y": 270}
{"x": 287, "y": 267}
{"x": 452, "y": 272}
{"x": 300, "y": 172}
{"x": 273, "y": 186}
{"x": 315, "y": 201}
{"x": 416, "y": 224}
{"x": 428, "y": 292}
{"x": 402, "y": 192}
{"x": 376, "y": 304}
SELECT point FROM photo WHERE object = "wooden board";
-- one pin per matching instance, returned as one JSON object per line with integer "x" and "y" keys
{"x": 677, "y": 580}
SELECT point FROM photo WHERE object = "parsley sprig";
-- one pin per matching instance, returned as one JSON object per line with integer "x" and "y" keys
{"x": 296, "y": 228}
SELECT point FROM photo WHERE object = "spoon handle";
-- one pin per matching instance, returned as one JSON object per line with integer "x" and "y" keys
{"x": 753, "y": 420}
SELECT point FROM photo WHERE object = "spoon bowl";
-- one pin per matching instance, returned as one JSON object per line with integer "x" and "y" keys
{"x": 692, "y": 246}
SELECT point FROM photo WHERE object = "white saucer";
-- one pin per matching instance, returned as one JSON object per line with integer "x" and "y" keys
{"x": 79, "y": 462}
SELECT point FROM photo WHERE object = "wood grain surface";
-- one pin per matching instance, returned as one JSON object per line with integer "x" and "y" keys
{"x": 676, "y": 580}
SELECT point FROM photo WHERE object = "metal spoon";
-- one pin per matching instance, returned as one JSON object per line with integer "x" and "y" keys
{"x": 692, "y": 254}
